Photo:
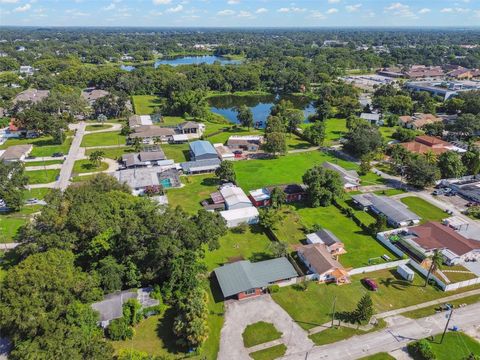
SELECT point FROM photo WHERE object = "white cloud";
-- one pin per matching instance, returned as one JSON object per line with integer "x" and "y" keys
{"x": 454, "y": 10}
{"x": 424, "y": 11}
{"x": 401, "y": 10}
{"x": 317, "y": 15}
{"x": 23, "y": 8}
{"x": 75, "y": 12}
{"x": 155, "y": 13}
{"x": 233, "y": 2}
{"x": 332, "y": 11}
{"x": 244, "y": 13}
{"x": 175, "y": 9}
{"x": 333, "y": 1}
{"x": 161, "y": 2}
{"x": 109, "y": 7}
{"x": 8, "y": 1}
{"x": 261, "y": 11}
{"x": 353, "y": 8}
{"x": 226, "y": 13}
{"x": 477, "y": 13}
{"x": 291, "y": 9}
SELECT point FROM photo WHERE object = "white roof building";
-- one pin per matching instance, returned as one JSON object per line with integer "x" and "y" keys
{"x": 235, "y": 198}
{"x": 224, "y": 152}
{"x": 236, "y": 217}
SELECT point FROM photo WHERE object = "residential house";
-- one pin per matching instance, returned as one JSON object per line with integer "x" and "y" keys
{"x": 244, "y": 279}
{"x": 26, "y": 70}
{"x": 320, "y": 262}
{"x": 372, "y": 118}
{"x": 293, "y": 193}
{"x": 151, "y": 133}
{"x": 202, "y": 150}
{"x": 396, "y": 212}
{"x": 192, "y": 129}
{"x": 418, "y": 120}
{"x": 139, "y": 179}
{"x": 424, "y": 144}
{"x": 200, "y": 166}
{"x": 224, "y": 152}
{"x": 145, "y": 158}
{"x": 250, "y": 143}
{"x": 460, "y": 73}
{"x": 16, "y": 153}
{"x": 350, "y": 178}
{"x": 33, "y": 95}
{"x": 91, "y": 95}
{"x": 136, "y": 121}
{"x": 111, "y": 307}
{"x": 260, "y": 197}
{"x": 334, "y": 246}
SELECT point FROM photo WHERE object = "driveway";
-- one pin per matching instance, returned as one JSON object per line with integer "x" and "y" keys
{"x": 67, "y": 166}
{"x": 239, "y": 314}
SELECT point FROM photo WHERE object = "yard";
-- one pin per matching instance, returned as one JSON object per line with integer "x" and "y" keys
{"x": 43, "y": 163}
{"x": 254, "y": 174}
{"x": 393, "y": 292}
{"x": 378, "y": 356}
{"x": 177, "y": 152}
{"x": 97, "y": 127}
{"x": 332, "y": 335}
{"x": 42, "y": 176}
{"x": 424, "y": 209}
{"x": 42, "y": 146}
{"x": 111, "y": 153}
{"x": 259, "y": 333}
{"x": 455, "y": 346}
{"x": 108, "y": 138}
{"x": 335, "y": 129}
{"x": 39, "y": 193}
{"x": 85, "y": 166}
{"x": 11, "y": 222}
{"x": 145, "y": 104}
{"x": 430, "y": 310}
{"x": 197, "y": 188}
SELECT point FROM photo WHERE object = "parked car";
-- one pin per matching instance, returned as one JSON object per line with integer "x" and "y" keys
{"x": 57, "y": 154}
{"x": 370, "y": 284}
{"x": 32, "y": 201}
{"x": 30, "y": 157}
{"x": 438, "y": 192}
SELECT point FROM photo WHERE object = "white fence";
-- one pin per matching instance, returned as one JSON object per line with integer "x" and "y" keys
{"x": 461, "y": 284}
{"x": 383, "y": 266}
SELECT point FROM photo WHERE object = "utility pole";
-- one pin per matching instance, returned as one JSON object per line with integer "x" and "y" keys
{"x": 333, "y": 311}
{"x": 446, "y": 325}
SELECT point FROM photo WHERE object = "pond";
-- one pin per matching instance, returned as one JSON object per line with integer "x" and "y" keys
{"x": 189, "y": 60}
{"x": 259, "y": 104}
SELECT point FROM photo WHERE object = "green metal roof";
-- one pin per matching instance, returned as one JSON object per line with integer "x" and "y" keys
{"x": 243, "y": 275}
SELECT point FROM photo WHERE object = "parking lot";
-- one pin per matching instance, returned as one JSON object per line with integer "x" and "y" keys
{"x": 456, "y": 201}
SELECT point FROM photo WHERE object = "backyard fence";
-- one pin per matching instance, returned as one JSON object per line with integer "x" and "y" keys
{"x": 383, "y": 266}
{"x": 458, "y": 285}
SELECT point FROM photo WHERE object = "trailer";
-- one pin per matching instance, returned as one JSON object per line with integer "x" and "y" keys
{"x": 405, "y": 272}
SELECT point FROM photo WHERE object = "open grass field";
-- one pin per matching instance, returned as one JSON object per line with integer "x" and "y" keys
{"x": 259, "y": 333}
{"x": 455, "y": 346}
{"x": 387, "y": 132}
{"x": 108, "y": 138}
{"x": 11, "y": 222}
{"x": 424, "y": 209}
{"x": 39, "y": 193}
{"x": 42, "y": 146}
{"x": 378, "y": 356}
{"x": 177, "y": 152}
{"x": 85, "y": 166}
{"x": 253, "y": 245}
{"x": 145, "y": 104}
{"x": 332, "y": 335}
{"x": 111, "y": 153}
{"x": 309, "y": 311}
{"x": 42, "y": 176}
{"x": 197, "y": 188}
{"x": 270, "y": 353}
{"x": 97, "y": 127}
{"x": 43, "y": 163}
{"x": 389, "y": 192}
{"x": 335, "y": 129}
{"x": 254, "y": 174}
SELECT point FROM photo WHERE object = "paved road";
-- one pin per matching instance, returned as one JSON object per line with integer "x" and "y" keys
{"x": 394, "y": 337}
{"x": 67, "y": 167}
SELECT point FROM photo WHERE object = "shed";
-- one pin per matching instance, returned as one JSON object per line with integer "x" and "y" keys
{"x": 405, "y": 272}
{"x": 236, "y": 217}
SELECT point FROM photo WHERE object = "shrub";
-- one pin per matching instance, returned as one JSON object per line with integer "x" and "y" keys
{"x": 273, "y": 289}
{"x": 119, "y": 330}
{"x": 421, "y": 350}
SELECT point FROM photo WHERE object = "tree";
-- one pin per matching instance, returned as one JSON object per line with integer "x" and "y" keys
{"x": 419, "y": 172}
{"x": 269, "y": 218}
{"x": 348, "y": 106}
{"x": 111, "y": 274}
{"x": 471, "y": 160}
{"x": 391, "y": 120}
{"x": 450, "y": 165}
{"x": 277, "y": 197}
{"x": 364, "y": 310}
{"x": 324, "y": 110}
{"x": 12, "y": 184}
{"x": 365, "y": 163}
{"x": 363, "y": 140}
{"x": 102, "y": 119}
{"x": 421, "y": 349}
{"x": 323, "y": 185}
{"x": 315, "y": 133}
{"x": 294, "y": 118}
{"x": 137, "y": 144}
{"x": 119, "y": 329}
{"x": 226, "y": 171}
{"x": 132, "y": 312}
{"x": 436, "y": 261}
{"x": 279, "y": 248}
{"x": 275, "y": 143}
{"x": 434, "y": 129}
{"x": 379, "y": 225}
{"x": 245, "y": 116}
{"x": 404, "y": 135}
{"x": 96, "y": 157}
{"x": 466, "y": 125}
{"x": 211, "y": 226}
{"x": 275, "y": 124}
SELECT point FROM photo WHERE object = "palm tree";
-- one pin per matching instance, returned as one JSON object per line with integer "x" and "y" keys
{"x": 96, "y": 157}
{"x": 430, "y": 157}
{"x": 436, "y": 261}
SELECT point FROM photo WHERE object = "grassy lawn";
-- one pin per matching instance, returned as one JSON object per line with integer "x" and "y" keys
{"x": 197, "y": 188}
{"x": 230, "y": 131}
{"x": 424, "y": 209}
{"x": 177, "y": 152}
{"x": 313, "y": 307}
{"x": 144, "y": 104}
{"x": 389, "y": 192}
{"x": 270, "y": 353}
{"x": 111, "y": 153}
{"x": 42, "y": 163}
{"x": 378, "y": 356}
{"x": 430, "y": 310}
{"x": 97, "y": 127}
{"x": 11, "y": 222}
{"x": 39, "y": 193}
{"x": 85, "y": 166}
{"x": 42, "y": 176}
{"x": 387, "y": 132}
{"x": 455, "y": 277}
{"x": 253, "y": 245}
{"x": 335, "y": 334}
{"x": 42, "y": 146}
{"x": 103, "y": 139}
{"x": 359, "y": 245}
{"x": 455, "y": 346}
{"x": 259, "y": 333}
{"x": 171, "y": 120}
{"x": 335, "y": 129}
{"x": 254, "y": 174}
{"x": 295, "y": 143}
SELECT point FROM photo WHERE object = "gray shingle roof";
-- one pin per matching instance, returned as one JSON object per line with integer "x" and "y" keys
{"x": 200, "y": 165}
{"x": 243, "y": 275}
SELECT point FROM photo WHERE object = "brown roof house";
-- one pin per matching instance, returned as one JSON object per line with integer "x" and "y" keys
{"x": 424, "y": 143}
{"x": 32, "y": 95}
{"x": 149, "y": 133}
{"x": 418, "y": 120}
{"x": 322, "y": 264}
{"x": 92, "y": 94}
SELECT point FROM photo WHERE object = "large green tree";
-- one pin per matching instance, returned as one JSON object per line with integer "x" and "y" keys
{"x": 421, "y": 173}
{"x": 12, "y": 184}
{"x": 362, "y": 140}
{"x": 323, "y": 186}
{"x": 450, "y": 165}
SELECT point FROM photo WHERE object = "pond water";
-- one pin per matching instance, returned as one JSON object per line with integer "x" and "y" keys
{"x": 259, "y": 104}
{"x": 189, "y": 60}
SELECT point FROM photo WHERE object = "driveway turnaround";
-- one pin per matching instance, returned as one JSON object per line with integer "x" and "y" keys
{"x": 239, "y": 314}
{"x": 396, "y": 336}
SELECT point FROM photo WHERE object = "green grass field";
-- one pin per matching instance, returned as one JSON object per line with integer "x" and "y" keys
{"x": 39, "y": 193}
{"x": 335, "y": 129}
{"x": 378, "y": 356}
{"x": 42, "y": 146}
{"x": 144, "y": 104}
{"x": 42, "y": 176}
{"x": 103, "y": 139}
{"x": 455, "y": 346}
{"x": 197, "y": 188}
{"x": 111, "y": 153}
{"x": 309, "y": 311}
{"x": 177, "y": 152}
{"x": 11, "y": 222}
{"x": 270, "y": 353}
{"x": 253, "y": 245}
{"x": 332, "y": 335}
{"x": 97, "y": 127}
{"x": 85, "y": 166}
{"x": 259, "y": 333}
{"x": 43, "y": 163}
{"x": 424, "y": 209}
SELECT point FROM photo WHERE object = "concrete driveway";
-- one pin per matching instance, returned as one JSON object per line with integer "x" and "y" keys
{"x": 239, "y": 314}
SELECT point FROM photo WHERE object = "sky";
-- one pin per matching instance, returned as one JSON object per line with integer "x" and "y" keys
{"x": 241, "y": 13}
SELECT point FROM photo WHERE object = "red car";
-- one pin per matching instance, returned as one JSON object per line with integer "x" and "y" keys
{"x": 370, "y": 284}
